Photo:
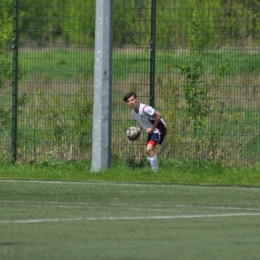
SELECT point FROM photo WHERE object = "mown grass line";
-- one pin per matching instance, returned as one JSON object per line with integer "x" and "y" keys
{"x": 170, "y": 172}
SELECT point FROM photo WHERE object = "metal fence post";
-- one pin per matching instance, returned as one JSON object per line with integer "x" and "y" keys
{"x": 153, "y": 54}
{"x": 101, "y": 133}
{"x": 15, "y": 80}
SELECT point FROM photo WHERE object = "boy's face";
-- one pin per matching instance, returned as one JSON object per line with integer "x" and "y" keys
{"x": 133, "y": 102}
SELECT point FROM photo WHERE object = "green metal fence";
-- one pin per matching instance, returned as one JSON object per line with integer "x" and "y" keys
{"x": 197, "y": 62}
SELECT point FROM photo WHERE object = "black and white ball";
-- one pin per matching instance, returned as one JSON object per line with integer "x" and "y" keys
{"x": 132, "y": 133}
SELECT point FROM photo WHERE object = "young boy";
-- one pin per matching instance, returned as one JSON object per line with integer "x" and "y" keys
{"x": 151, "y": 121}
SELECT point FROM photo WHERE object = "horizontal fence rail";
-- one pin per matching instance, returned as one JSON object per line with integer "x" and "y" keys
{"x": 196, "y": 62}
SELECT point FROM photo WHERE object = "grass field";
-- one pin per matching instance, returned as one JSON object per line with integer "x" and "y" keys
{"x": 107, "y": 220}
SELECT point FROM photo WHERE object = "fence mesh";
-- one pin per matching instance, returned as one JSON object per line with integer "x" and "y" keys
{"x": 206, "y": 78}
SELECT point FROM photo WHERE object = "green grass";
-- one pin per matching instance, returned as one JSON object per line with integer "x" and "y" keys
{"x": 57, "y": 63}
{"x": 65, "y": 64}
{"x": 104, "y": 220}
{"x": 204, "y": 173}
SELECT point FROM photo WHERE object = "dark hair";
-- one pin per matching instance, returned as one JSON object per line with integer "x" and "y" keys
{"x": 129, "y": 94}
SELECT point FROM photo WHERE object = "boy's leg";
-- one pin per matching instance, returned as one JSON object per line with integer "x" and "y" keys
{"x": 154, "y": 163}
{"x": 152, "y": 141}
{"x": 152, "y": 157}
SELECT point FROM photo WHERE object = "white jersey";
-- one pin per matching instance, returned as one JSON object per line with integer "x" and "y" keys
{"x": 145, "y": 118}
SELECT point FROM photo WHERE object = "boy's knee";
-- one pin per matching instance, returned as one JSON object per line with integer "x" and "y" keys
{"x": 150, "y": 150}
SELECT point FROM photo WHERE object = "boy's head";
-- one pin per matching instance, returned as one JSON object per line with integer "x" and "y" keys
{"x": 130, "y": 94}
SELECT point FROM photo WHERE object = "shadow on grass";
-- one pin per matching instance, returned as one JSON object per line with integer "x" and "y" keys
{"x": 131, "y": 163}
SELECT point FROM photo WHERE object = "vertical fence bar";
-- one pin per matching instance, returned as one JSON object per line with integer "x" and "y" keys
{"x": 15, "y": 81}
{"x": 153, "y": 54}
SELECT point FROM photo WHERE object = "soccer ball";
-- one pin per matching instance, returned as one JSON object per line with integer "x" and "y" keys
{"x": 132, "y": 133}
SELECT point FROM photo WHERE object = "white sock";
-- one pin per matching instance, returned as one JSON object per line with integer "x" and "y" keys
{"x": 153, "y": 162}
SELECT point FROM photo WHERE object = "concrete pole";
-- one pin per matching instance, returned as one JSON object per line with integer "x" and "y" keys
{"x": 101, "y": 131}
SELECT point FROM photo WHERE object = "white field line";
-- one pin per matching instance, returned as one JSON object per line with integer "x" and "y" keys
{"x": 124, "y": 184}
{"x": 125, "y": 206}
{"x": 28, "y": 221}
{"x": 217, "y": 208}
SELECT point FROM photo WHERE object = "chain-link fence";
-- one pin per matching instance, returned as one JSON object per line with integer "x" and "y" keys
{"x": 55, "y": 54}
{"x": 197, "y": 62}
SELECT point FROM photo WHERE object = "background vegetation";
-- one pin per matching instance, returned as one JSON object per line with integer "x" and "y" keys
{"x": 224, "y": 22}
{"x": 207, "y": 77}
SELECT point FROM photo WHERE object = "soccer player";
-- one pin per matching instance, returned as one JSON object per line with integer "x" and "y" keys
{"x": 151, "y": 121}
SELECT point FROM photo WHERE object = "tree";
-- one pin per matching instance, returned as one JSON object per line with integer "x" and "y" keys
{"x": 240, "y": 21}
{"x": 5, "y": 40}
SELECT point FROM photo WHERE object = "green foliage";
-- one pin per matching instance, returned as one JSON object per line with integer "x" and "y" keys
{"x": 199, "y": 92}
{"x": 129, "y": 22}
{"x": 168, "y": 92}
{"x": 5, "y": 38}
{"x": 58, "y": 131}
{"x": 205, "y": 109}
{"x": 196, "y": 93}
{"x": 202, "y": 104}
{"x": 68, "y": 22}
{"x": 240, "y": 21}
{"x": 6, "y": 29}
{"x": 5, "y": 22}
{"x": 4, "y": 117}
{"x": 73, "y": 22}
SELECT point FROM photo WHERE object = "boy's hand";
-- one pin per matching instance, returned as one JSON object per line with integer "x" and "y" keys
{"x": 149, "y": 131}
